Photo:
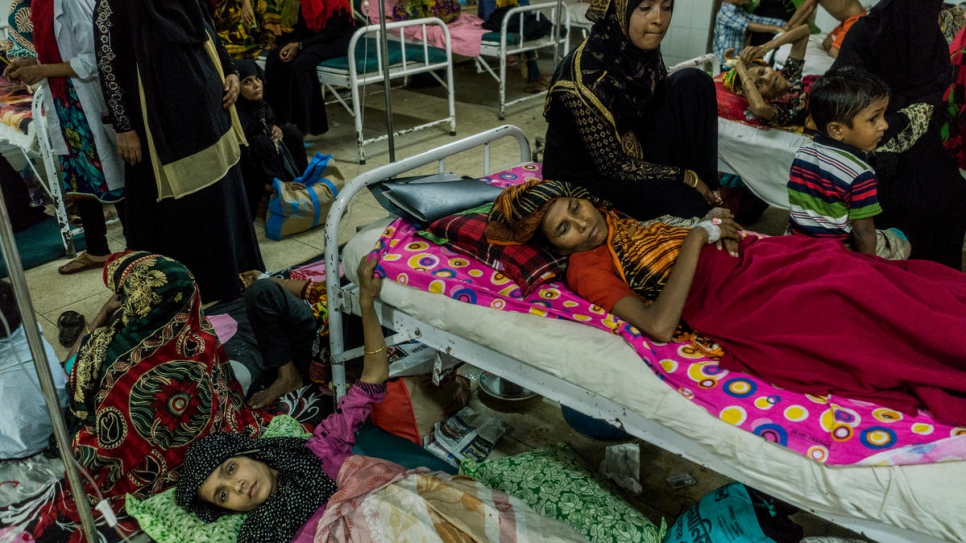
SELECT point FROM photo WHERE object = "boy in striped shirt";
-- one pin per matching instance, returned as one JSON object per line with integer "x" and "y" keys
{"x": 832, "y": 190}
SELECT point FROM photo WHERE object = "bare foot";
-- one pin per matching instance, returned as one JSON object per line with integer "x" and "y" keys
{"x": 249, "y": 277}
{"x": 288, "y": 380}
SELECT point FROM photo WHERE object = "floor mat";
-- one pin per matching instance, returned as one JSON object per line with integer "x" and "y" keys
{"x": 40, "y": 244}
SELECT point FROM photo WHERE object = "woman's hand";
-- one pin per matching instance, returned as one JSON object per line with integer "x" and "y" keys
{"x": 276, "y": 133}
{"x": 129, "y": 147}
{"x": 726, "y": 242}
{"x": 247, "y": 13}
{"x": 107, "y": 310}
{"x": 17, "y": 64}
{"x": 231, "y": 88}
{"x": 752, "y": 53}
{"x": 719, "y": 213}
{"x": 288, "y": 52}
{"x": 369, "y": 286}
{"x": 710, "y": 196}
{"x": 30, "y": 74}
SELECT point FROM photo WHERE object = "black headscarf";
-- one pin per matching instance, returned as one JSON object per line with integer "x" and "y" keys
{"x": 608, "y": 72}
{"x": 302, "y": 486}
{"x": 900, "y": 41}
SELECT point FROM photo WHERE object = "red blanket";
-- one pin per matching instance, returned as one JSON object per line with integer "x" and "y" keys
{"x": 886, "y": 332}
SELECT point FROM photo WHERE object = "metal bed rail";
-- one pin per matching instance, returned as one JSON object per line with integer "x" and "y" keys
{"x": 338, "y": 298}
{"x": 549, "y": 11}
{"x": 405, "y": 67}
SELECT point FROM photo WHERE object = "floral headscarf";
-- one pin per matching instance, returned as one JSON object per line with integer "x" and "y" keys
{"x": 150, "y": 381}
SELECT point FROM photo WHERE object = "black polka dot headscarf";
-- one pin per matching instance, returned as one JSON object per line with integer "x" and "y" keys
{"x": 302, "y": 486}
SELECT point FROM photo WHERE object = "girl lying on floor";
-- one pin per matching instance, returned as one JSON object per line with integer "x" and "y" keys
{"x": 293, "y": 488}
{"x": 804, "y": 314}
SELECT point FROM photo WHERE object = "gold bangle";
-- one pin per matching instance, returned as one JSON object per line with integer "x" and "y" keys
{"x": 694, "y": 178}
{"x": 377, "y": 351}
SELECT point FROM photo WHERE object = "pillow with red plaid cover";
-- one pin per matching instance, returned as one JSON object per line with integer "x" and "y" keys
{"x": 527, "y": 265}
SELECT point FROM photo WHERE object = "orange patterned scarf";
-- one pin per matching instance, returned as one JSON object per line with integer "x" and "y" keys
{"x": 644, "y": 255}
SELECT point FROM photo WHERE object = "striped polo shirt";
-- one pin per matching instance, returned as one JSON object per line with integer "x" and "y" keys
{"x": 829, "y": 186}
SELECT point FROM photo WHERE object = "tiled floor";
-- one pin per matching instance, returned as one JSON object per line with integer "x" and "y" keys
{"x": 532, "y": 423}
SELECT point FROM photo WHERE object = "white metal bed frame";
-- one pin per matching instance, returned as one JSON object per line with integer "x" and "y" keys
{"x": 344, "y": 300}
{"x": 37, "y": 144}
{"x": 351, "y": 79}
{"x": 504, "y": 49}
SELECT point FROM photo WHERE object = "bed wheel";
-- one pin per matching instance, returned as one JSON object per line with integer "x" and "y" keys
{"x": 452, "y": 132}
{"x": 362, "y": 162}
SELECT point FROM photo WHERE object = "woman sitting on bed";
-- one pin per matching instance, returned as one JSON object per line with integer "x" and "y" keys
{"x": 777, "y": 98}
{"x": 621, "y": 127}
{"x": 804, "y": 314}
{"x": 294, "y": 490}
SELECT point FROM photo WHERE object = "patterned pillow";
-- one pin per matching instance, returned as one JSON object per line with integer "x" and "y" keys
{"x": 162, "y": 519}
{"x": 528, "y": 266}
{"x": 554, "y": 482}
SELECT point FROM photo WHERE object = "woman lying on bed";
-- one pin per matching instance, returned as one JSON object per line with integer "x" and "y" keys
{"x": 777, "y": 98}
{"x": 804, "y": 314}
{"x": 291, "y": 488}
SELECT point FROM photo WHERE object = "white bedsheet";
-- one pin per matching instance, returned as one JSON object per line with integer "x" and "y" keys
{"x": 762, "y": 157}
{"x": 928, "y": 499}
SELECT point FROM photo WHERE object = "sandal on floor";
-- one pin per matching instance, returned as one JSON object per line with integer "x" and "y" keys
{"x": 71, "y": 325}
{"x": 79, "y": 264}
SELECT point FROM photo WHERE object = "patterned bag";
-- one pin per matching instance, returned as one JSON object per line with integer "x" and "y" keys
{"x": 291, "y": 211}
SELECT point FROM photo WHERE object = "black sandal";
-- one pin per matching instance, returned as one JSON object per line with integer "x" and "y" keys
{"x": 71, "y": 325}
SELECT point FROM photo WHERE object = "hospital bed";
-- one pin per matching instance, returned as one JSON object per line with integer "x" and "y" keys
{"x": 22, "y": 126}
{"x": 599, "y": 374}
{"x": 469, "y": 39}
{"x": 364, "y": 66}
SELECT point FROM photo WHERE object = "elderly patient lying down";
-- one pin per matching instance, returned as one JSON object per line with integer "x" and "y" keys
{"x": 803, "y": 313}
{"x": 291, "y": 488}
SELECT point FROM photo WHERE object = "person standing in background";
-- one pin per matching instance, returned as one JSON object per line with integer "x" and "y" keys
{"x": 91, "y": 170}
{"x": 171, "y": 89}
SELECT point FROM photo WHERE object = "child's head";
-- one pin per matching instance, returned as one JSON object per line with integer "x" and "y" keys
{"x": 9, "y": 308}
{"x": 279, "y": 477}
{"x": 849, "y": 106}
{"x": 250, "y": 76}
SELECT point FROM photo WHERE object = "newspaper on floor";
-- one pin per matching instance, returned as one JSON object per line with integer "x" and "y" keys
{"x": 468, "y": 434}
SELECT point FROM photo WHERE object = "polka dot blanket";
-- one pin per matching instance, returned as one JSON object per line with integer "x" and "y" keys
{"x": 827, "y": 429}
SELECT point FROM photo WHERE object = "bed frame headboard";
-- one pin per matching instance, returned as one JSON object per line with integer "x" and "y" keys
{"x": 339, "y": 299}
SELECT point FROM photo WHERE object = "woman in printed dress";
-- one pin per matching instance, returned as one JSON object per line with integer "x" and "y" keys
{"x": 91, "y": 169}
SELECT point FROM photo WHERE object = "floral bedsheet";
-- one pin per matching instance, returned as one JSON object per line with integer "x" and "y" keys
{"x": 827, "y": 429}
